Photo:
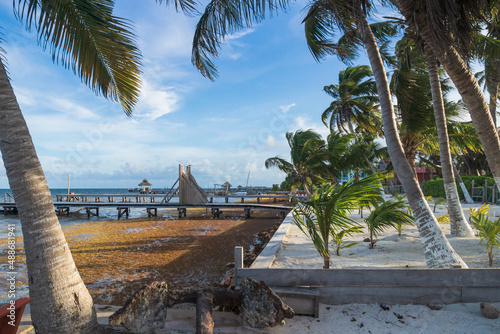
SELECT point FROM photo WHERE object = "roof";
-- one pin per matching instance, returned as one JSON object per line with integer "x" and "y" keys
{"x": 145, "y": 183}
{"x": 227, "y": 185}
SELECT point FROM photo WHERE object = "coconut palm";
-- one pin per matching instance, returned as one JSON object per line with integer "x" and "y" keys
{"x": 421, "y": 102}
{"x": 327, "y": 211}
{"x": 338, "y": 237}
{"x": 348, "y": 16}
{"x": 449, "y": 35}
{"x": 99, "y": 47}
{"x": 324, "y": 16}
{"x": 355, "y": 102}
{"x": 307, "y": 152}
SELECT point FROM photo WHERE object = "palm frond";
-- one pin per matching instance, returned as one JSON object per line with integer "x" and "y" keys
{"x": 222, "y": 18}
{"x": 85, "y": 37}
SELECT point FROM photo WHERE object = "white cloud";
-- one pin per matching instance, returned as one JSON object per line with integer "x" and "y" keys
{"x": 270, "y": 141}
{"x": 72, "y": 108}
{"x": 155, "y": 102}
{"x": 239, "y": 34}
{"x": 286, "y": 108}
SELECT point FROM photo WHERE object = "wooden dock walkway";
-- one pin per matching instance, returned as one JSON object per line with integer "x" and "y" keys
{"x": 154, "y": 198}
{"x": 123, "y": 208}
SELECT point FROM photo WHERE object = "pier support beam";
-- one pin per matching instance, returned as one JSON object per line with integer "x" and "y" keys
{"x": 152, "y": 212}
{"x": 123, "y": 211}
{"x": 92, "y": 211}
{"x": 216, "y": 212}
{"x": 62, "y": 210}
{"x": 182, "y": 212}
{"x": 247, "y": 212}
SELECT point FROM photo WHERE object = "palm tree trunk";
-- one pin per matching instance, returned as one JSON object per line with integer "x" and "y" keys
{"x": 60, "y": 302}
{"x": 464, "y": 81}
{"x": 458, "y": 223}
{"x": 467, "y": 196}
{"x": 438, "y": 251}
{"x": 493, "y": 90}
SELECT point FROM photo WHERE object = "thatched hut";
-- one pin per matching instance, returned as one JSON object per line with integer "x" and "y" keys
{"x": 145, "y": 185}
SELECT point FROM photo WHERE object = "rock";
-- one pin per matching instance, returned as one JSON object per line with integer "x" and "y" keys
{"x": 385, "y": 307}
{"x": 228, "y": 281}
{"x": 366, "y": 240}
{"x": 145, "y": 311}
{"x": 260, "y": 306}
{"x": 490, "y": 311}
{"x": 435, "y": 307}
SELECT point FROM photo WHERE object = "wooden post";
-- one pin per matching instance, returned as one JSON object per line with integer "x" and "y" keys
{"x": 238, "y": 257}
{"x": 485, "y": 191}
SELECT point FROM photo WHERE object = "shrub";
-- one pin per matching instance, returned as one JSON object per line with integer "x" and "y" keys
{"x": 435, "y": 188}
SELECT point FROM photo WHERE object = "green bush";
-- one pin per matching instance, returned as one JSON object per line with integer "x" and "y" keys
{"x": 435, "y": 188}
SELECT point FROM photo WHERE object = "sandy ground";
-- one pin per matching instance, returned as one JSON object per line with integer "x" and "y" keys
{"x": 391, "y": 251}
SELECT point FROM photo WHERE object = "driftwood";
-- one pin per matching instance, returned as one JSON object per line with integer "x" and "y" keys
{"x": 146, "y": 310}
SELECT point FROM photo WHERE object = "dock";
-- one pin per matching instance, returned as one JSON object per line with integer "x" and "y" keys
{"x": 92, "y": 203}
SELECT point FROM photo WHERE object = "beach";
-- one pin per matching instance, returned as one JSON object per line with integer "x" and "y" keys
{"x": 117, "y": 257}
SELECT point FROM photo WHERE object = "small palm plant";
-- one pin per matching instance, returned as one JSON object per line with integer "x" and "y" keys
{"x": 384, "y": 215}
{"x": 439, "y": 201}
{"x": 483, "y": 210}
{"x": 327, "y": 211}
{"x": 489, "y": 232}
{"x": 338, "y": 237}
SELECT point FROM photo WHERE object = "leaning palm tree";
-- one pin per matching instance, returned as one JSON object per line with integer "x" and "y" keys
{"x": 447, "y": 26}
{"x": 307, "y": 152}
{"x": 87, "y": 38}
{"x": 324, "y": 16}
{"x": 327, "y": 212}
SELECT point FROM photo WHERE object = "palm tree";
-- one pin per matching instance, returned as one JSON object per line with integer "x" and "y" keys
{"x": 307, "y": 152}
{"x": 417, "y": 85}
{"x": 323, "y": 17}
{"x": 455, "y": 19}
{"x": 355, "y": 102}
{"x": 327, "y": 212}
{"x": 344, "y": 153}
{"x": 86, "y": 37}
{"x": 348, "y": 16}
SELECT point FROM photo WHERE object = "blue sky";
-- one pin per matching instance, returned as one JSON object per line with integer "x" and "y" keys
{"x": 269, "y": 84}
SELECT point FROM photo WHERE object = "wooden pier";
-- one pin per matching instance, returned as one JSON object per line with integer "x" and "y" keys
{"x": 124, "y": 208}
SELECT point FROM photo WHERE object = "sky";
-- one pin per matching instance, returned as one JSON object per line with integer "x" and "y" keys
{"x": 268, "y": 84}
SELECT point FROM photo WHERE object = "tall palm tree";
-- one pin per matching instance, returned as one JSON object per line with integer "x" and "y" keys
{"x": 344, "y": 153}
{"x": 323, "y": 17}
{"x": 355, "y": 102}
{"x": 417, "y": 85}
{"x": 307, "y": 152}
{"x": 446, "y": 27}
{"x": 353, "y": 16}
{"x": 86, "y": 37}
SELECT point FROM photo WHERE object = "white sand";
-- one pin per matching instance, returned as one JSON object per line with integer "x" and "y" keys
{"x": 391, "y": 251}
